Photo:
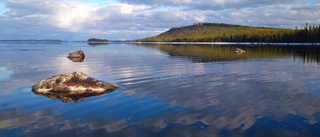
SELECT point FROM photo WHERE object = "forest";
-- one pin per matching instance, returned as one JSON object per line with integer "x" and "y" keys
{"x": 220, "y": 32}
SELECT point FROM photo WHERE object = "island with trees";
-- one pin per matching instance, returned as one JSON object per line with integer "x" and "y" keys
{"x": 220, "y": 32}
{"x": 95, "y": 40}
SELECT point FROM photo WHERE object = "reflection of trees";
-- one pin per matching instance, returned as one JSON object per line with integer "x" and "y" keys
{"x": 200, "y": 53}
{"x": 213, "y": 53}
{"x": 305, "y": 53}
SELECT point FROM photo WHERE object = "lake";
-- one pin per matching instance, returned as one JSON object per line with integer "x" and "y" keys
{"x": 164, "y": 90}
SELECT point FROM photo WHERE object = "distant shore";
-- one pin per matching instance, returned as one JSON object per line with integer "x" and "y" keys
{"x": 32, "y": 41}
{"x": 136, "y": 42}
{"x": 226, "y": 43}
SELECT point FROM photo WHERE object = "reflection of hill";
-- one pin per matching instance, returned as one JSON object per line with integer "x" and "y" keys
{"x": 214, "y": 53}
{"x": 201, "y": 53}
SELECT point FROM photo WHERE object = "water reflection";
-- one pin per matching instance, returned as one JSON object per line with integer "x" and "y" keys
{"x": 98, "y": 44}
{"x": 214, "y": 53}
{"x": 232, "y": 104}
{"x": 76, "y": 60}
{"x": 5, "y": 73}
{"x": 238, "y": 51}
{"x": 66, "y": 97}
{"x": 167, "y": 90}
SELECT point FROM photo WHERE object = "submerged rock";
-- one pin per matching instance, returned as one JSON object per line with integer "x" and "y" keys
{"x": 76, "y": 54}
{"x": 238, "y": 51}
{"x": 72, "y": 87}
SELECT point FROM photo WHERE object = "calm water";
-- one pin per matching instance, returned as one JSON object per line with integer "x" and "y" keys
{"x": 165, "y": 90}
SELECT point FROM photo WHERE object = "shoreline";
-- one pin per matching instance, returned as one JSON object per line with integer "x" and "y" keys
{"x": 173, "y": 43}
{"x": 228, "y": 43}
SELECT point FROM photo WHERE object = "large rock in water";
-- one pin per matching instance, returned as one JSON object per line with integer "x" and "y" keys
{"x": 77, "y": 56}
{"x": 72, "y": 87}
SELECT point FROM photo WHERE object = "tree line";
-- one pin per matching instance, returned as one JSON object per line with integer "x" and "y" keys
{"x": 219, "y": 32}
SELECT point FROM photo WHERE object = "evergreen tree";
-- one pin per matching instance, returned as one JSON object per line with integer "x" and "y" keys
{"x": 215, "y": 32}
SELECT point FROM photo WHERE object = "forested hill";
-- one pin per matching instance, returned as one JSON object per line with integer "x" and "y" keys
{"x": 218, "y": 32}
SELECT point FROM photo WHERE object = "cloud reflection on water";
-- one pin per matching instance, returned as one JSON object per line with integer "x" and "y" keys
{"x": 5, "y": 73}
{"x": 165, "y": 96}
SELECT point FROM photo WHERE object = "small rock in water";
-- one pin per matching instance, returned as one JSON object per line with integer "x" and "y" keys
{"x": 238, "y": 51}
{"x": 76, "y": 54}
{"x": 72, "y": 87}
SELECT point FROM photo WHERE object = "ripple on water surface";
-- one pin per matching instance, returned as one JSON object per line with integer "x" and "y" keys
{"x": 164, "y": 92}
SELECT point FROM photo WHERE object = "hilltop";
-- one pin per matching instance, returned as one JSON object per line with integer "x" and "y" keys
{"x": 220, "y": 32}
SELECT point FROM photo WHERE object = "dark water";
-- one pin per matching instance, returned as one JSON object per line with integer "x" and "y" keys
{"x": 165, "y": 90}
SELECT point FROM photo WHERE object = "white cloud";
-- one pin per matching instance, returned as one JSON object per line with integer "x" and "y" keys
{"x": 142, "y": 18}
{"x": 72, "y": 16}
{"x": 213, "y": 4}
{"x": 126, "y": 9}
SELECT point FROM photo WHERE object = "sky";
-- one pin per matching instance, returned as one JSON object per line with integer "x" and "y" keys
{"x": 134, "y": 19}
